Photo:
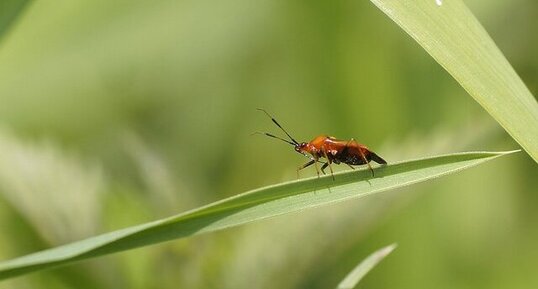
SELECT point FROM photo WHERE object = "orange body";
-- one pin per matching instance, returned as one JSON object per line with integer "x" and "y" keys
{"x": 339, "y": 151}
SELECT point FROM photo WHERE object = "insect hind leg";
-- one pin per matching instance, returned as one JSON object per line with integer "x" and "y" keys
{"x": 363, "y": 157}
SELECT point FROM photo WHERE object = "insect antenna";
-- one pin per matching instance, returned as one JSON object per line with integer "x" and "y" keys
{"x": 276, "y": 122}
{"x": 274, "y": 136}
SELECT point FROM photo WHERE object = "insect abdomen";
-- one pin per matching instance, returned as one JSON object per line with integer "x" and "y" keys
{"x": 354, "y": 160}
{"x": 353, "y": 157}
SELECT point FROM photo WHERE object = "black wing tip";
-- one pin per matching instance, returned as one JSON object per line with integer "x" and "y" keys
{"x": 377, "y": 159}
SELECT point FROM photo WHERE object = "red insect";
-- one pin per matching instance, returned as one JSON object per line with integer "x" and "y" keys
{"x": 333, "y": 150}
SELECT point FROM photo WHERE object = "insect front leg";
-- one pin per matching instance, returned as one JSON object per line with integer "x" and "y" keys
{"x": 304, "y": 166}
{"x": 316, "y": 165}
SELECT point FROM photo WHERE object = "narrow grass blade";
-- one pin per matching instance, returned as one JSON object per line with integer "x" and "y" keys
{"x": 355, "y": 276}
{"x": 451, "y": 34}
{"x": 251, "y": 206}
{"x": 9, "y": 11}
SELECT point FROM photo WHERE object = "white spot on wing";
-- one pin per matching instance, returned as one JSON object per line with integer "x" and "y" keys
{"x": 439, "y": 2}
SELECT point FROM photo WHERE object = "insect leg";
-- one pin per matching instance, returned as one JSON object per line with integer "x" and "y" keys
{"x": 350, "y": 166}
{"x": 329, "y": 161}
{"x": 304, "y": 166}
{"x": 363, "y": 157}
{"x": 346, "y": 147}
{"x": 316, "y": 165}
{"x": 366, "y": 161}
{"x": 323, "y": 167}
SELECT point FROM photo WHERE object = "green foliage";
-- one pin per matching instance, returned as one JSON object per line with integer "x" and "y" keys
{"x": 251, "y": 206}
{"x": 450, "y": 33}
{"x": 9, "y": 11}
{"x": 355, "y": 276}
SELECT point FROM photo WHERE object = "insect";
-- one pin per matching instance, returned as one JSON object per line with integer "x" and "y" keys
{"x": 333, "y": 150}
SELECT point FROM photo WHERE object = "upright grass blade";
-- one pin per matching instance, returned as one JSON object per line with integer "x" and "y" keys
{"x": 355, "y": 276}
{"x": 9, "y": 10}
{"x": 451, "y": 34}
{"x": 251, "y": 206}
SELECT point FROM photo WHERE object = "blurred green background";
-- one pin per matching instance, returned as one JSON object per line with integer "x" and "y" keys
{"x": 114, "y": 113}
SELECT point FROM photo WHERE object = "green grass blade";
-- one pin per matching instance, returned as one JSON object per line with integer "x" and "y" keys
{"x": 9, "y": 10}
{"x": 355, "y": 276}
{"x": 251, "y": 206}
{"x": 451, "y": 34}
